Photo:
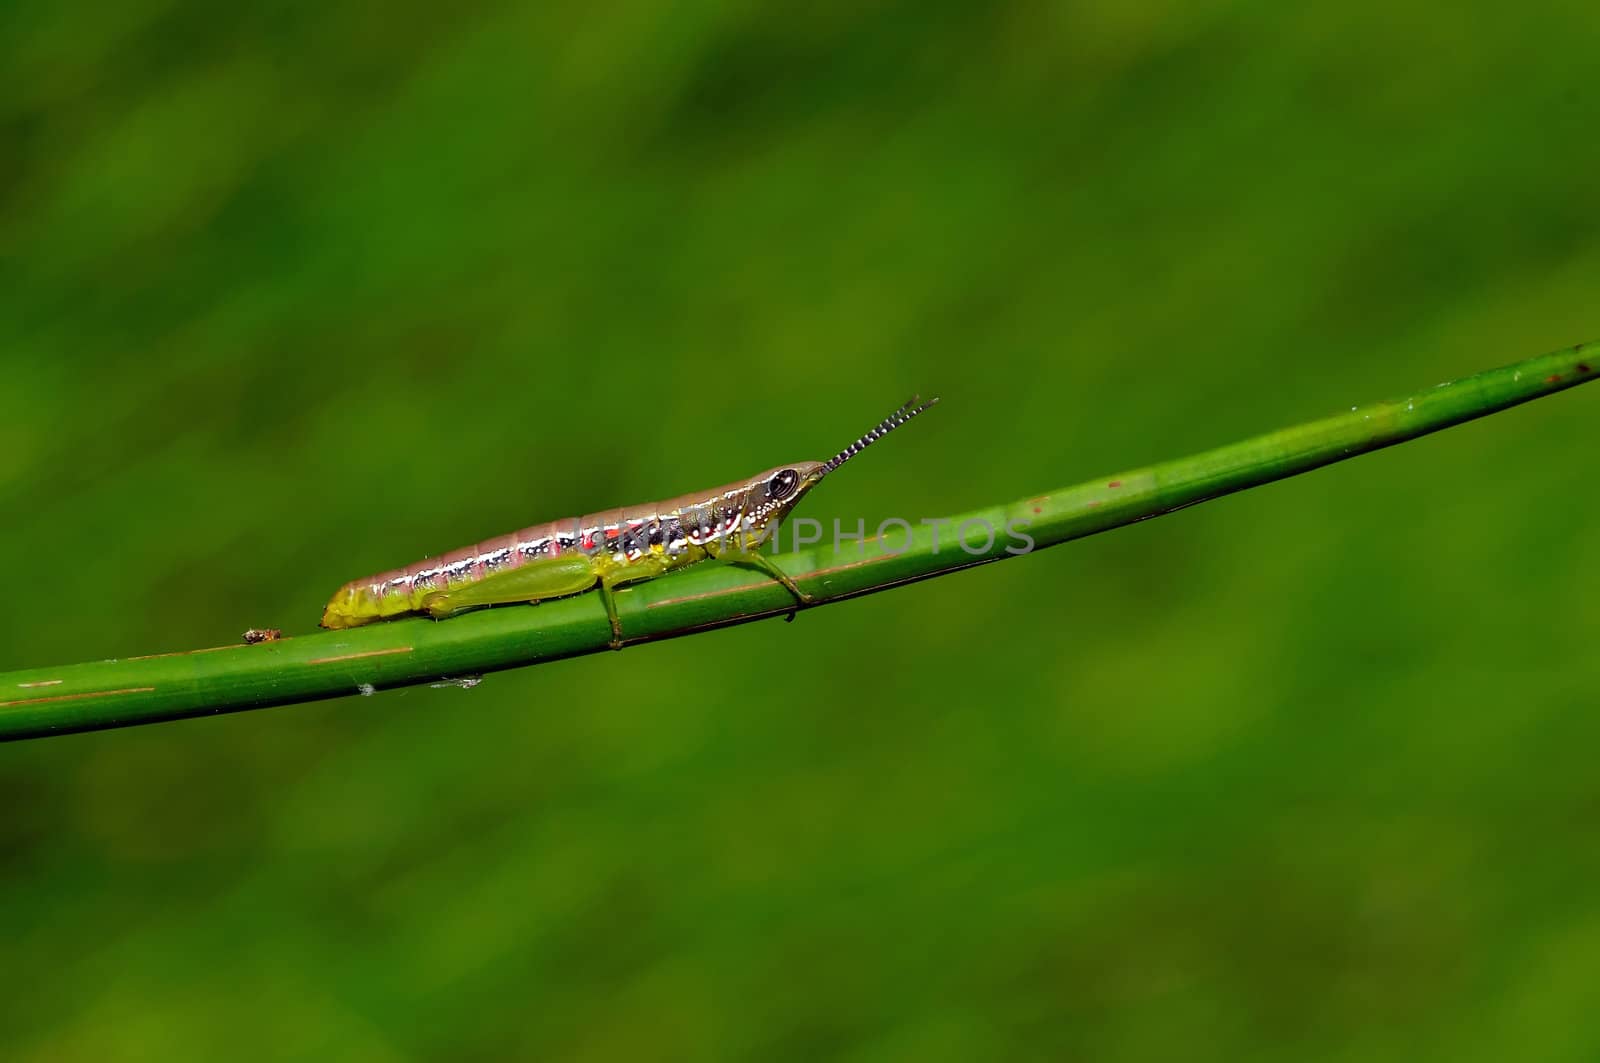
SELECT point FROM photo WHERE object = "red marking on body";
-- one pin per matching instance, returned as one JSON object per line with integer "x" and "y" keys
{"x": 1114, "y": 483}
{"x": 1583, "y": 367}
{"x": 588, "y": 542}
{"x": 358, "y": 656}
{"x": 76, "y": 697}
{"x": 613, "y": 533}
{"x": 1553, "y": 378}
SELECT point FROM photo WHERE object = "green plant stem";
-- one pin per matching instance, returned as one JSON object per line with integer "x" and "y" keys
{"x": 120, "y": 693}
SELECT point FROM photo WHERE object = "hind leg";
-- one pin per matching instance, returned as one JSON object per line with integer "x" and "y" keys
{"x": 643, "y": 568}
{"x": 550, "y": 577}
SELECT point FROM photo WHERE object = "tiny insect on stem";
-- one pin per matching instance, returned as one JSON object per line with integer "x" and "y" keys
{"x": 604, "y": 550}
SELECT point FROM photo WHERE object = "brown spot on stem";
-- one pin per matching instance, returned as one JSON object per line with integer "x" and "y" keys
{"x": 704, "y": 596}
{"x": 854, "y": 564}
{"x": 1553, "y": 378}
{"x": 358, "y": 656}
{"x": 76, "y": 697}
{"x": 697, "y": 597}
{"x": 180, "y": 653}
{"x": 1114, "y": 484}
{"x": 1094, "y": 502}
{"x": 1583, "y": 367}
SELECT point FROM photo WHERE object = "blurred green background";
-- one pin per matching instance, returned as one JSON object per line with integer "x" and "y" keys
{"x": 298, "y": 292}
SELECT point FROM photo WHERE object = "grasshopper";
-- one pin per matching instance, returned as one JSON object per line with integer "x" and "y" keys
{"x": 608, "y": 549}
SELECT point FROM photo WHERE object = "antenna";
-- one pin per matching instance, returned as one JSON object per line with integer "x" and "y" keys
{"x": 913, "y": 406}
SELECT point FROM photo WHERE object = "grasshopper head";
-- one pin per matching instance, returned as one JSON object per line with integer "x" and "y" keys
{"x": 770, "y": 495}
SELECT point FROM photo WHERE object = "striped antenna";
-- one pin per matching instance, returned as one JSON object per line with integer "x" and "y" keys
{"x": 899, "y": 417}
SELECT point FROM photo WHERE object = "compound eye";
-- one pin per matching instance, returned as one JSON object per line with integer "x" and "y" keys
{"x": 782, "y": 485}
